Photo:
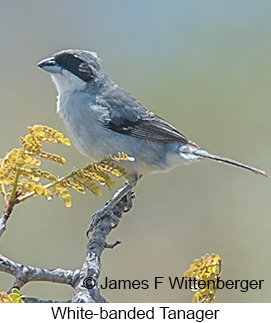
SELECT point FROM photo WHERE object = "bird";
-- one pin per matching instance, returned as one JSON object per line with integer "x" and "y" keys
{"x": 103, "y": 119}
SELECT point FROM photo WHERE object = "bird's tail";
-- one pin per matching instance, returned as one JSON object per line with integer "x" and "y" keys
{"x": 205, "y": 154}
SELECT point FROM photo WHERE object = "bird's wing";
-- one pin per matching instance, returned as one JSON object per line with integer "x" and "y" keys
{"x": 129, "y": 117}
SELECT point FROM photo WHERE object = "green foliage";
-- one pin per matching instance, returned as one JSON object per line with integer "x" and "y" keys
{"x": 21, "y": 176}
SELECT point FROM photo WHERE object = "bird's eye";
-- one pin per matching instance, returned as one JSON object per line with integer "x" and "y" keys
{"x": 86, "y": 72}
{"x": 75, "y": 65}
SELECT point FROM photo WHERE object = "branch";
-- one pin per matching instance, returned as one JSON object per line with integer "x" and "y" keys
{"x": 84, "y": 281}
{"x": 37, "y": 300}
{"x": 86, "y": 289}
{"x": 24, "y": 274}
{"x": 5, "y": 216}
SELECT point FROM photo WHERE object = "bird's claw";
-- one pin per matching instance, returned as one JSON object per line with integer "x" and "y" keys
{"x": 113, "y": 209}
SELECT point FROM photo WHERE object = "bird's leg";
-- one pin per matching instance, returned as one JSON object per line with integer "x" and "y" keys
{"x": 120, "y": 194}
{"x": 111, "y": 207}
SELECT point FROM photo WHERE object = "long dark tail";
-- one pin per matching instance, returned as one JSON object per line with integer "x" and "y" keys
{"x": 205, "y": 154}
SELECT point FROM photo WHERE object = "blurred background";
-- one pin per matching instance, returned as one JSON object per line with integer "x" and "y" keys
{"x": 205, "y": 66}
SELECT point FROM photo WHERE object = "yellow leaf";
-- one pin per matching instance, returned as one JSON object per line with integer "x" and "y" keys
{"x": 66, "y": 142}
{"x": 188, "y": 273}
{"x": 39, "y": 189}
{"x": 5, "y": 298}
{"x": 67, "y": 202}
{"x": 16, "y": 296}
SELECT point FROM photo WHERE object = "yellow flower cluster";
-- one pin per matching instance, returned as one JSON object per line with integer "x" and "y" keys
{"x": 206, "y": 271}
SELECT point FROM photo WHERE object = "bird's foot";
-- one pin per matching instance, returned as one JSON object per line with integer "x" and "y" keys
{"x": 121, "y": 202}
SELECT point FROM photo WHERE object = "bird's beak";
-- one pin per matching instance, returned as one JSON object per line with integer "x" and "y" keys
{"x": 50, "y": 65}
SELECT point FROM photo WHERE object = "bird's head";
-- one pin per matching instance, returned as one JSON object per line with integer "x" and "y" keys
{"x": 73, "y": 70}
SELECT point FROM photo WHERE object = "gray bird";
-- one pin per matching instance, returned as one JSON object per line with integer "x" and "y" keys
{"x": 104, "y": 119}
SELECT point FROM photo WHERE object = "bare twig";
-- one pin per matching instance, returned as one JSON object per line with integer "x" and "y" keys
{"x": 37, "y": 300}
{"x": 24, "y": 274}
{"x": 112, "y": 245}
{"x": 87, "y": 289}
{"x": 5, "y": 216}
